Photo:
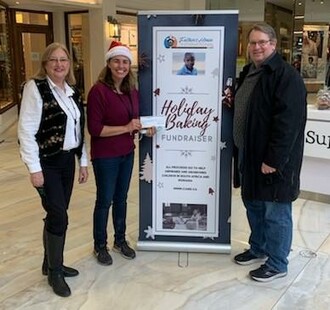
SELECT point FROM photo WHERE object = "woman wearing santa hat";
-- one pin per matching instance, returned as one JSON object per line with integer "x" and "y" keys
{"x": 113, "y": 120}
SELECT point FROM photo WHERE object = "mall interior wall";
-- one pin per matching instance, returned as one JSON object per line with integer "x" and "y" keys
{"x": 249, "y": 11}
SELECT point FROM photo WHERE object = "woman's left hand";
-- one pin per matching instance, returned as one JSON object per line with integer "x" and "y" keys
{"x": 83, "y": 175}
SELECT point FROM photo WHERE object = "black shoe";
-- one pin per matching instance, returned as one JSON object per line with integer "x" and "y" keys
{"x": 124, "y": 250}
{"x": 266, "y": 274}
{"x": 67, "y": 271}
{"x": 247, "y": 258}
{"x": 103, "y": 256}
{"x": 57, "y": 282}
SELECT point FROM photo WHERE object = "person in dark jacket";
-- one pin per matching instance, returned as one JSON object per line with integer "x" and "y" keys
{"x": 269, "y": 122}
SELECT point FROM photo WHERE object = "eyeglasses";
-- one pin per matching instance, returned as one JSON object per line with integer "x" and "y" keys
{"x": 261, "y": 43}
{"x": 60, "y": 60}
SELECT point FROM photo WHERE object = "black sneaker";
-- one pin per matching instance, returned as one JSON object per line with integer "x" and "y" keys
{"x": 266, "y": 274}
{"x": 247, "y": 258}
{"x": 124, "y": 250}
{"x": 103, "y": 256}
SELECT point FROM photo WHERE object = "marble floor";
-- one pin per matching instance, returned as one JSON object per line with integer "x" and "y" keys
{"x": 154, "y": 280}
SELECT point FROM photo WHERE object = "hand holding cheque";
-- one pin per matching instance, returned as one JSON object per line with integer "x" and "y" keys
{"x": 151, "y": 124}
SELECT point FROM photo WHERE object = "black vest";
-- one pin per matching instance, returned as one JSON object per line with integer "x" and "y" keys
{"x": 50, "y": 135}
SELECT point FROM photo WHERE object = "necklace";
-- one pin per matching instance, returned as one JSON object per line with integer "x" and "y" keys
{"x": 69, "y": 108}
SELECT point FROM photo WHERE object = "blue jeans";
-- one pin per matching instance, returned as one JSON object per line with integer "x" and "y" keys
{"x": 112, "y": 177}
{"x": 271, "y": 231}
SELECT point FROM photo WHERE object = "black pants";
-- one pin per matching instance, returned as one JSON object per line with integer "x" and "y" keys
{"x": 58, "y": 171}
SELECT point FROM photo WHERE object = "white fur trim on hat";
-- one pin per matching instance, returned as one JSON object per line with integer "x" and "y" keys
{"x": 119, "y": 50}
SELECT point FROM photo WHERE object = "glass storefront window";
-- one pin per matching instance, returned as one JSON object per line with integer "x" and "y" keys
{"x": 78, "y": 24}
{"x": 5, "y": 64}
{"x": 29, "y": 18}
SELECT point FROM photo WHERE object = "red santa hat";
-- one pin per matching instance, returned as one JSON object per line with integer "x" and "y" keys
{"x": 118, "y": 49}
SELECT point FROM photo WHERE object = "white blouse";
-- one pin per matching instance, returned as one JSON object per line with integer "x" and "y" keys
{"x": 29, "y": 122}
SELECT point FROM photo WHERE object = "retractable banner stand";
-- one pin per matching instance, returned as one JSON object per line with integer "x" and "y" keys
{"x": 187, "y": 63}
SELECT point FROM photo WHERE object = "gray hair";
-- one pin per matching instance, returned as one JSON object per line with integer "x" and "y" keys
{"x": 265, "y": 28}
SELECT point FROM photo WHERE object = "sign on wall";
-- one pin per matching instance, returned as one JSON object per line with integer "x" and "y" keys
{"x": 187, "y": 68}
{"x": 317, "y": 137}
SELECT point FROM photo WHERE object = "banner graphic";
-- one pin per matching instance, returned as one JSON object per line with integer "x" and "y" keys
{"x": 186, "y": 79}
{"x": 187, "y": 153}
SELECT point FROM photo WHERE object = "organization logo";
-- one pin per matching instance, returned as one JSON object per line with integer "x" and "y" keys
{"x": 188, "y": 41}
{"x": 170, "y": 42}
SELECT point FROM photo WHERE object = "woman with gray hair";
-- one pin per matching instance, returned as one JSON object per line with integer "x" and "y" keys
{"x": 51, "y": 134}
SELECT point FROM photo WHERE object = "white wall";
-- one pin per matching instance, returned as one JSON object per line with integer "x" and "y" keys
{"x": 143, "y": 5}
{"x": 195, "y": 4}
{"x": 99, "y": 40}
{"x": 315, "y": 12}
{"x": 249, "y": 10}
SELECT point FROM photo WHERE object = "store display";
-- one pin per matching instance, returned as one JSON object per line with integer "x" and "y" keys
{"x": 323, "y": 99}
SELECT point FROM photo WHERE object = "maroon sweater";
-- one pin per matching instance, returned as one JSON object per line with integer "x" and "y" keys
{"x": 105, "y": 107}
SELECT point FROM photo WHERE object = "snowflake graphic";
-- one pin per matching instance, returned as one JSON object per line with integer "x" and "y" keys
{"x": 150, "y": 233}
{"x": 223, "y": 145}
{"x": 186, "y": 90}
{"x": 186, "y": 153}
{"x": 143, "y": 60}
{"x": 213, "y": 158}
{"x": 160, "y": 185}
{"x": 151, "y": 15}
{"x": 161, "y": 58}
{"x": 215, "y": 72}
{"x": 211, "y": 238}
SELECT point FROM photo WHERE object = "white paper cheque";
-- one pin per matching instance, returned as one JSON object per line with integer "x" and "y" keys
{"x": 153, "y": 121}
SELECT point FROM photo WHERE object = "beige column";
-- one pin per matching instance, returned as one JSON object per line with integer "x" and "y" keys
{"x": 99, "y": 36}
{"x": 195, "y": 4}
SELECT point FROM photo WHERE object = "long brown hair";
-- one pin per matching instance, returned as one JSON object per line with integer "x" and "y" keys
{"x": 42, "y": 73}
{"x": 127, "y": 85}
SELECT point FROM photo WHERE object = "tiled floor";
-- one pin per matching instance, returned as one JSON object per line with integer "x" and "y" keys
{"x": 153, "y": 280}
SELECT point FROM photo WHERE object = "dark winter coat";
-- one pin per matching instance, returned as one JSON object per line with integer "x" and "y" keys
{"x": 274, "y": 133}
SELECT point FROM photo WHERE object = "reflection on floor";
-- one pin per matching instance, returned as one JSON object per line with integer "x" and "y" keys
{"x": 154, "y": 280}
